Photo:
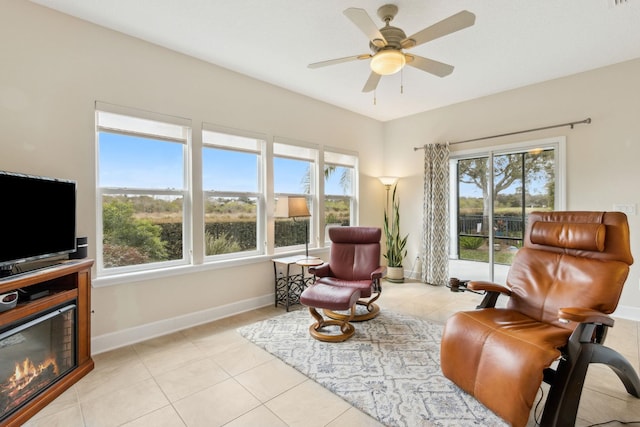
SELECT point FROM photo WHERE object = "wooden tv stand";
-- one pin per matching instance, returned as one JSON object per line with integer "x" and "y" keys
{"x": 67, "y": 281}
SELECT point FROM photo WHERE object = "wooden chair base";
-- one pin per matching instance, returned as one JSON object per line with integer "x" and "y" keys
{"x": 372, "y": 311}
{"x": 346, "y": 328}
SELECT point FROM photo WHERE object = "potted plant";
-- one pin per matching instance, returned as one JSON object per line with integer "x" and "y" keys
{"x": 395, "y": 245}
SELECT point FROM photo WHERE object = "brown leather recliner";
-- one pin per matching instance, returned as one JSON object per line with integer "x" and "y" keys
{"x": 562, "y": 285}
{"x": 355, "y": 262}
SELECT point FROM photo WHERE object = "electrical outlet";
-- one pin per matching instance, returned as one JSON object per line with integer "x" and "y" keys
{"x": 616, "y": 3}
{"x": 629, "y": 209}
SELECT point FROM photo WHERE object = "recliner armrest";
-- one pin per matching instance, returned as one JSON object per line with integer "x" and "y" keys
{"x": 479, "y": 285}
{"x": 378, "y": 272}
{"x": 322, "y": 270}
{"x": 584, "y": 315}
{"x": 492, "y": 292}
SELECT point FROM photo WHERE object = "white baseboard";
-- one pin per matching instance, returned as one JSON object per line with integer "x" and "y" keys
{"x": 627, "y": 312}
{"x": 113, "y": 340}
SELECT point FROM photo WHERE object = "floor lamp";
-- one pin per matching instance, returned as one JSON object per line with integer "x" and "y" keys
{"x": 294, "y": 207}
{"x": 387, "y": 181}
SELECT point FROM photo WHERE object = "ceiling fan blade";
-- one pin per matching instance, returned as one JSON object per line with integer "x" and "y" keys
{"x": 362, "y": 20}
{"x": 372, "y": 82}
{"x": 338, "y": 60}
{"x": 448, "y": 25}
{"x": 436, "y": 68}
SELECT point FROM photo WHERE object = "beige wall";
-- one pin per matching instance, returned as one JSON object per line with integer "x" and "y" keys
{"x": 53, "y": 69}
{"x": 602, "y": 168}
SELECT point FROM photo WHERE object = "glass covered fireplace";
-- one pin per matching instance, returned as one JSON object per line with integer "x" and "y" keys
{"x": 34, "y": 354}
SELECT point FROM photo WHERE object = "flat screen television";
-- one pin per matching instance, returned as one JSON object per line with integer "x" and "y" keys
{"x": 38, "y": 218}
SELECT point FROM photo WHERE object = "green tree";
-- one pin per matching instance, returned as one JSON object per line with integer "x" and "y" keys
{"x": 123, "y": 233}
{"x": 345, "y": 178}
{"x": 507, "y": 169}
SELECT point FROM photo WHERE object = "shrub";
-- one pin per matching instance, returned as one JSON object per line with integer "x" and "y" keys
{"x": 468, "y": 242}
{"x": 121, "y": 255}
{"x": 121, "y": 230}
{"x": 222, "y": 244}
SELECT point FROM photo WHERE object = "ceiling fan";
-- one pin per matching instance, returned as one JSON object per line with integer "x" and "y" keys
{"x": 388, "y": 43}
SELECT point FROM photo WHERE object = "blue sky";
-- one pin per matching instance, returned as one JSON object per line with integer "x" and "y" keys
{"x": 127, "y": 161}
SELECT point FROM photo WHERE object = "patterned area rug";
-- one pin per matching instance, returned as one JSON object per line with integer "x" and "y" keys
{"x": 389, "y": 369}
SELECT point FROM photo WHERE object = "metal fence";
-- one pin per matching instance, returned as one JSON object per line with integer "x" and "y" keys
{"x": 503, "y": 225}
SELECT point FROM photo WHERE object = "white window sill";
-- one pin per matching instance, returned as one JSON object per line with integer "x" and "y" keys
{"x": 138, "y": 276}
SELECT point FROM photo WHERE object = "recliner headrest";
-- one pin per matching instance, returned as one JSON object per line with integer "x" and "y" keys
{"x": 580, "y": 236}
{"x": 616, "y": 239}
{"x": 356, "y": 235}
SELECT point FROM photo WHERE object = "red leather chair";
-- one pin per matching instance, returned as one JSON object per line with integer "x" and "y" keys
{"x": 354, "y": 262}
{"x": 562, "y": 285}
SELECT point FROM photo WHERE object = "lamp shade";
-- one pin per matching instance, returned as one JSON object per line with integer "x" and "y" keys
{"x": 388, "y": 180}
{"x": 387, "y": 62}
{"x": 291, "y": 207}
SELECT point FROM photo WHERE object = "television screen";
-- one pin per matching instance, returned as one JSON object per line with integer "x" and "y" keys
{"x": 38, "y": 218}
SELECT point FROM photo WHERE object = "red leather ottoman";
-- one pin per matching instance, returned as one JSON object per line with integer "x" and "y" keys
{"x": 332, "y": 298}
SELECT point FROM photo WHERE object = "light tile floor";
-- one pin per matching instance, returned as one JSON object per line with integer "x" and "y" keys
{"x": 210, "y": 376}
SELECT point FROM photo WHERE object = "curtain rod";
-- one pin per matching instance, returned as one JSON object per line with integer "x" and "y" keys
{"x": 572, "y": 124}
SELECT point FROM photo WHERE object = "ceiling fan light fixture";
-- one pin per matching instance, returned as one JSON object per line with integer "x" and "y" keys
{"x": 387, "y": 62}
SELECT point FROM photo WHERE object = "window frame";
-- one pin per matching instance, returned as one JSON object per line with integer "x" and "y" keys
{"x": 260, "y": 152}
{"x": 557, "y": 143}
{"x": 344, "y": 159}
{"x": 107, "y": 111}
{"x": 284, "y": 148}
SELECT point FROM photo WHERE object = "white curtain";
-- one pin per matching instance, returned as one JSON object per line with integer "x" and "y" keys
{"x": 435, "y": 235}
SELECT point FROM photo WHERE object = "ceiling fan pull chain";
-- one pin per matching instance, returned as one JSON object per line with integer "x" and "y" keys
{"x": 374, "y": 97}
{"x": 401, "y": 81}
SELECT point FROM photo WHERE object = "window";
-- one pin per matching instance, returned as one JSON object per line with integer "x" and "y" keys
{"x": 142, "y": 190}
{"x": 149, "y": 179}
{"x": 339, "y": 190}
{"x": 294, "y": 174}
{"x": 233, "y": 202}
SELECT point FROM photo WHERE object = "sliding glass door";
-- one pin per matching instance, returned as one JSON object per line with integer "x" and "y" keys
{"x": 494, "y": 190}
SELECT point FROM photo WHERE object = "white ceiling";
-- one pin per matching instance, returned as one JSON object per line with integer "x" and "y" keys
{"x": 513, "y": 43}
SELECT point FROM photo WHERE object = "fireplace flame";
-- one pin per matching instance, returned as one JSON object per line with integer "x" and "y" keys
{"x": 27, "y": 371}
